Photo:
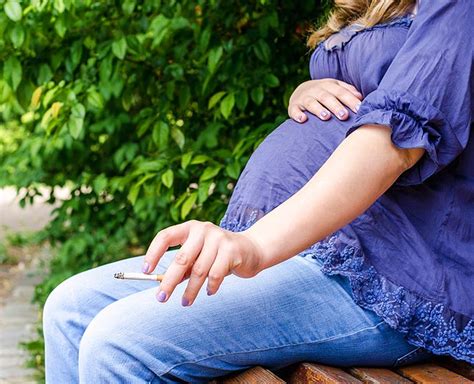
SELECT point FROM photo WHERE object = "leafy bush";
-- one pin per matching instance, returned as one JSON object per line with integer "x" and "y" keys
{"x": 147, "y": 110}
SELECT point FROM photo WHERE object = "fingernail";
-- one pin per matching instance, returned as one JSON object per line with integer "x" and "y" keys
{"x": 209, "y": 293}
{"x": 324, "y": 114}
{"x": 300, "y": 118}
{"x": 145, "y": 267}
{"x": 341, "y": 113}
{"x": 357, "y": 107}
{"x": 161, "y": 296}
{"x": 184, "y": 302}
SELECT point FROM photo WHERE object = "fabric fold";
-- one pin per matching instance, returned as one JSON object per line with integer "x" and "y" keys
{"x": 414, "y": 124}
{"x": 425, "y": 323}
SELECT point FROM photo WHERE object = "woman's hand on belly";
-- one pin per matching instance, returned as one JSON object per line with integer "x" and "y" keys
{"x": 208, "y": 251}
{"x": 322, "y": 97}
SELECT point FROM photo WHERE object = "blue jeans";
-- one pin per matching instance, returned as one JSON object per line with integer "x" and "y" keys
{"x": 102, "y": 330}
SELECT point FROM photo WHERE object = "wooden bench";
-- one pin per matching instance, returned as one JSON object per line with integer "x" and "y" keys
{"x": 438, "y": 371}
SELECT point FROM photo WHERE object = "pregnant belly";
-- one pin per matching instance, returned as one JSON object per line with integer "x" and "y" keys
{"x": 285, "y": 160}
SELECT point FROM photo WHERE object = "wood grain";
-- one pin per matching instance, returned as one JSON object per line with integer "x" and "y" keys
{"x": 308, "y": 373}
{"x": 432, "y": 374}
{"x": 255, "y": 375}
{"x": 378, "y": 376}
{"x": 462, "y": 368}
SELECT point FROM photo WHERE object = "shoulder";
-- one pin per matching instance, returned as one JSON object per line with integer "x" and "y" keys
{"x": 340, "y": 39}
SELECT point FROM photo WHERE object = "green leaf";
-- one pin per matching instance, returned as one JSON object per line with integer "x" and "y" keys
{"x": 227, "y": 104}
{"x": 210, "y": 172}
{"x": 257, "y": 95}
{"x": 133, "y": 193}
{"x": 178, "y": 136}
{"x": 45, "y": 74}
{"x": 159, "y": 28}
{"x": 188, "y": 204}
{"x": 200, "y": 159}
{"x": 215, "y": 99}
{"x": 167, "y": 178}
{"x": 12, "y": 72}
{"x": 60, "y": 26}
{"x": 76, "y": 120}
{"x": 203, "y": 191}
{"x": 59, "y": 5}
{"x": 161, "y": 132}
{"x": 45, "y": 120}
{"x": 95, "y": 100}
{"x": 233, "y": 169}
{"x": 204, "y": 39}
{"x": 271, "y": 80}
{"x": 119, "y": 48}
{"x": 78, "y": 110}
{"x": 186, "y": 159}
{"x": 184, "y": 96}
{"x": 262, "y": 51}
{"x": 100, "y": 183}
{"x": 128, "y": 6}
{"x": 213, "y": 58}
{"x": 241, "y": 99}
{"x": 13, "y": 10}
{"x": 17, "y": 35}
{"x": 76, "y": 53}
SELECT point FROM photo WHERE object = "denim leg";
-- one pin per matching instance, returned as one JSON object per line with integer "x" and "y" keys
{"x": 75, "y": 302}
{"x": 288, "y": 313}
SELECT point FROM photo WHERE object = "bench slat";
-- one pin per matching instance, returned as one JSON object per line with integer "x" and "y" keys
{"x": 432, "y": 374}
{"x": 378, "y": 376}
{"x": 255, "y": 375}
{"x": 463, "y": 368}
{"x": 307, "y": 373}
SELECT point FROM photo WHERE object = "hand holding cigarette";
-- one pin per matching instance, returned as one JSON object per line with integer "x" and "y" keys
{"x": 208, "y": 252}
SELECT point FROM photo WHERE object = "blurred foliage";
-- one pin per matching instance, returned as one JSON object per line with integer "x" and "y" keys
{"x": 146, "y": 110}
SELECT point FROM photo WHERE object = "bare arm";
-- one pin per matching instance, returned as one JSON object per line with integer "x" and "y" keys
{"x": 361, "y": 169}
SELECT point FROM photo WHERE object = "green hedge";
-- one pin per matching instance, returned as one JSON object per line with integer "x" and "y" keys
{"x": 147, "y": 110}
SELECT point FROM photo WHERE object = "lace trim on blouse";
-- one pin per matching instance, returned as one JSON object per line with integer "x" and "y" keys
{"x": 425, "y": 323}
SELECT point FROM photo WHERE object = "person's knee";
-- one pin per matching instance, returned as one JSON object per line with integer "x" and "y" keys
{"x": 66, "y": 304}
{"x": 96, "y": 343}
{"x": 57, "y": 304}
{"x": 112, "y": 347}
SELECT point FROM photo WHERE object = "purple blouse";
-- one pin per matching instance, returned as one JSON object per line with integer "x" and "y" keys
{"x": 410, "y": 256}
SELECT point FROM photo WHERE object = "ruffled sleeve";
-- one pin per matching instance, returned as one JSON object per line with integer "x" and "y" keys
{"x": 426, "y": 95}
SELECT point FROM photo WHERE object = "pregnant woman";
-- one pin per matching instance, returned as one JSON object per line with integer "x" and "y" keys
{"x": 349, "y": 237}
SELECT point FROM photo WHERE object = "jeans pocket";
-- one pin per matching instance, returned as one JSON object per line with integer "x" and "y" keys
{"x": 417, "y": 355}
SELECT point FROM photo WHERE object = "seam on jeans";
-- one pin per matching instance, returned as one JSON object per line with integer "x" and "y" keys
{"x": 281, "y": 346}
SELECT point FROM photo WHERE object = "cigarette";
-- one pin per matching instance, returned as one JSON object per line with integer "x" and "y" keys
{"x": 137, "y": 276}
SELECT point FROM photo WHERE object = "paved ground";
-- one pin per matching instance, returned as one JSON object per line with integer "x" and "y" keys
{"x": 17, "y": 314}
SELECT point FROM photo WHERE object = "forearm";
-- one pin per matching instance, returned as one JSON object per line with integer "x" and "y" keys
{"x": 361, "y": 169}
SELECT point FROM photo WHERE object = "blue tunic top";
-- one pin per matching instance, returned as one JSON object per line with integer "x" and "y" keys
{"x": 410, "y": 256}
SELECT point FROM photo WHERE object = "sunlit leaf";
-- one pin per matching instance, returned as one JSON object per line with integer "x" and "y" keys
{"x": 215, "y": 99}
{"x": 12, "y": 71}
{"x": 13, "y": 10}
{"x": 17, "y": 35}
{"x": 188, "y": 204}
{"x": 119, "y": 48}
{"x": 178, "y": 136}
{"x": 167, "y": 178}
{"x": 227, "y": 104}
{"x": 210, "y": 172}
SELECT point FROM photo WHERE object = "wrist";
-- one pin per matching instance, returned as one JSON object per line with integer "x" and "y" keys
{"x": 259, "y": 248}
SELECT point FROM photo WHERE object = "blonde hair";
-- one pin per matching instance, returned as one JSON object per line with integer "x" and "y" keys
{"x": 364, "y": 12}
